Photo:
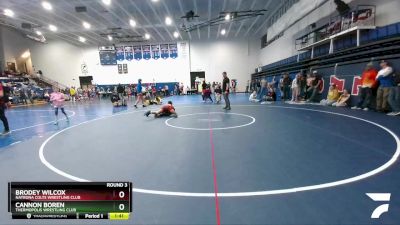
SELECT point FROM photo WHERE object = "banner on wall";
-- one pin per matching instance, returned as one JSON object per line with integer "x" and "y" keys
{"x": 120, "y": 53}
{"x": 128, "y": 53}
{"x": 155, "y": 51}
{"x": 164, "y": 51}
{"x": 119, "y": 68}
{"x": 146, "y": 52}
{"x": 137, "y": 52}
{"x": 125, "y": 68}
{"x": 173, "y": 51}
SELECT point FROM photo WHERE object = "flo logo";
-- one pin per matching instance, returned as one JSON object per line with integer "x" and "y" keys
{"x": 379, "y": 197}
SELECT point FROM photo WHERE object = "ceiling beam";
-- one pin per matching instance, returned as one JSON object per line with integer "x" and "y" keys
{"x": 209, "y": 17}
{"x": 197, "y": 19}
{"x": 230, "y": 25}
{"x": 159, "y": 19}
{"x": 171, "y": 15}
{"x": 101, "y": 39}
{"x": 147, "y": 20}
{"x": 242, "y": 22}
{"x": 268, "y": 18}
{"x": 125, "y": 22}
{"x": 219, "y": 26}
{"x": 39, "y": 20}
{"x": 183, "y": 13}
{"x": 258, "y": 17}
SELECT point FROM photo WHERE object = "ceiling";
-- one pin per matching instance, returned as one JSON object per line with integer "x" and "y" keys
{"x": 114, "y": 19}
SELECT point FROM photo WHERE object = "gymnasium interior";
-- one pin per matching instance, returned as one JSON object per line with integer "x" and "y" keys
{"x": 200, "y": 112}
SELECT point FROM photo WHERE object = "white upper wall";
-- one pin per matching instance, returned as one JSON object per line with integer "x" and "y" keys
{"x": 284, "y": 47}
{"x": 14, "y": 44}
{"x": 58, "y": 60}
{"x": 236, "y": 57}
{"x": 62, "y": 61}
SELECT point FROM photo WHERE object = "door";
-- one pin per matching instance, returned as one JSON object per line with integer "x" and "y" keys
{"x": 11, "y": 66}
{"x": 194, "y": 75}
{"x": 85, "y": 81}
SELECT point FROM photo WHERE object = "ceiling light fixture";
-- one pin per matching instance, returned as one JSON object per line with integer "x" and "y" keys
{"x": 38, "y": 33}
{"x": 8, "y": 12}
{"x": 223, "y": 32}
{"x": 52, "y": 28}
{"x": 82, "y": 39}
{"x": 86, "y": 25}
{"x": 154, "y": 0}
{"x": 176, "y": 34}
{"x": 47, "y": 5}
{"x": 132, "y": 23}
{"x": 147, "y": 36}
{"x": 26, "y": 54}
{"x": 110, "y": 38}
{"x": 228, "y": 17}
{"x": 168, "y": 20}
{"x": 107, "y": 2}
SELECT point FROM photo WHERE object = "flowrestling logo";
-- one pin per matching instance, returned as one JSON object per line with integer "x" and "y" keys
{"x": 379, "y": 197}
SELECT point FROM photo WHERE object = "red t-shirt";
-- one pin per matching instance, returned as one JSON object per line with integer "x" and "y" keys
{"x": 168, "y": 108}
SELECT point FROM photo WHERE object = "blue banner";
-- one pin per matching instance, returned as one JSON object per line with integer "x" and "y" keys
{"x": 164, "y": 51}
{"x": 120, "y": 53}
{"x": 146, "y": 52}
{"x": 128, "y": 53}
{"x": 155, "y": 51}
{"x": 137, "y": 52}
{"x": 173, "y": 51}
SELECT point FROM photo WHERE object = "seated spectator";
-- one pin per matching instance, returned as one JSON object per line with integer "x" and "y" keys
{"x": 271, "y": 94}
{"x": 343, "y": 99}
{"x": 394, "y": 96}
{"x": 333, "y": 95}
{"x": 115, "y": 100}
{"x": 385, "y": 79}
{"x": 367, "y": 84}
{"x": 313, "y": 90}
{"x": 253, "y": 97}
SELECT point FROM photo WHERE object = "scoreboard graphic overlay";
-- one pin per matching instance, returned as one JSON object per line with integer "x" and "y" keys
{"x": 70, "y": 200}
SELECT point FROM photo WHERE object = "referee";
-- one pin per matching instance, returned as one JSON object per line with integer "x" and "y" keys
{"x": 225, "y": 89}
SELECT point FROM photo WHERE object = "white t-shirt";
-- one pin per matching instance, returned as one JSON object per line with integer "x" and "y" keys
{"x": 294, "y": 83}
{"x": 252, "y": 96}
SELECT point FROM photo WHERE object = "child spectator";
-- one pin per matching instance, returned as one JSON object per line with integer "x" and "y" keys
{"x": 342, "y": 101}
{"x": 207, "y": 94}
{"x": 253, "y": 97}
{"x": 296, "y": 88}
{"x": 218, "y": 93}
{"x": 333, "y": 95}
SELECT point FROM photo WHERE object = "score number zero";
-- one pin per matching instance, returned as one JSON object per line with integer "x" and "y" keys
{"x": 121, "y": 194}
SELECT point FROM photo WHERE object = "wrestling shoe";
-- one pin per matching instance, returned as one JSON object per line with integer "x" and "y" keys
{"x": 147, "y": 113}
{"x": 6, "y": 132}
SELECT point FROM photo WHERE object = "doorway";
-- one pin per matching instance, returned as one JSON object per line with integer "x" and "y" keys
{"x": 85, "y": 81}
{"x": 193, "y": 75}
